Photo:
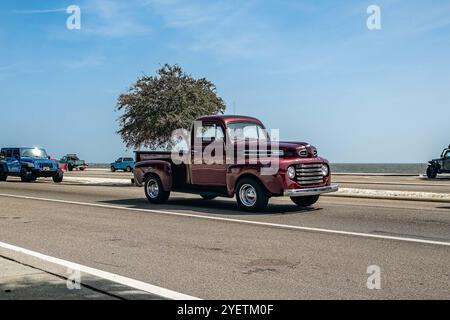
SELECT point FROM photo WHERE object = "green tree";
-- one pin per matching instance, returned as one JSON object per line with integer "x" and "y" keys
{"x": 156, "y": 105}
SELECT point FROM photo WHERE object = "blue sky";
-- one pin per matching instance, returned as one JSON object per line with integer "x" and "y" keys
{"x": 310, "y": 68}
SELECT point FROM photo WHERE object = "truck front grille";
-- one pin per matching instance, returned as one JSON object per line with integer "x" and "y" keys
{"x": 309, "y": 174}
{"x": 45, "y": 165}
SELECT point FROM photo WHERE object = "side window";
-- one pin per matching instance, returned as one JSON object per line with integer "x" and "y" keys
{"x": 16, "y": 154}
{"x": 9, "y": 153}
{"x": 209, "y": 132}
{"x": 447, "y": 155}
{"x": 2, "y": 154}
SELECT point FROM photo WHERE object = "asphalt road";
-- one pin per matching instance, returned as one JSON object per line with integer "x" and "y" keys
{"x": 172, "y": 246}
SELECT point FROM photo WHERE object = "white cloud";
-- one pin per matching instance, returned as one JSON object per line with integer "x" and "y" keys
{"x": 38, "y": 11}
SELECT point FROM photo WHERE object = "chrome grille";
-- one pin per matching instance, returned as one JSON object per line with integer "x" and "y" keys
{"x": 309, "y": 173}
{"x": 45, "y": 165}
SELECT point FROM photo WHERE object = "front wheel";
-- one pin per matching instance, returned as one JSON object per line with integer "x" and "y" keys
{"x": 431, "y": 172}
{"x": 69, "y": 167}
{"x": 154, "y": 190}
{"x": 305, "y": 201}
{"x": 26, "y": 175}
{"x": 113, "y": 169}
{"x": 58, "y": 178}
{"x": 251, "y": 196}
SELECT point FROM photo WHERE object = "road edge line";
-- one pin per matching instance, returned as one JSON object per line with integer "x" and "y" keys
{"x": 136, "y": 284}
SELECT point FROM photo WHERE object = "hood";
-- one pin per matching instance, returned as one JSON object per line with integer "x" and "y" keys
{"x": 44, "y": 160}
{"x": 290, "y": 149}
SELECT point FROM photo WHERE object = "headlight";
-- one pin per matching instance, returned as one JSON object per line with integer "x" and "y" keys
{"x": 291, "y": 172}
{"x": 325, "y": 170}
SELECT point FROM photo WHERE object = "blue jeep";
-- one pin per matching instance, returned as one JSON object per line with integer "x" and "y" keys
{"x": 125, "y": 164}
{"x": 28, "y": 164}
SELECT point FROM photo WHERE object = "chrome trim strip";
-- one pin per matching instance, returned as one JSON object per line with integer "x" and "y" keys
{"x": 310, "y": 191}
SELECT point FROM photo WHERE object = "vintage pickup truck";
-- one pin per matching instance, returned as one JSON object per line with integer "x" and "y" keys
{"x": 264, "y": 168}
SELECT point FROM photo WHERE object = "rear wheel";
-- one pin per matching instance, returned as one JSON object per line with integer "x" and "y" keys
{"x": 128, "y": 169}
{"x": 431, "y": 172}
{"x": 81, "y": 168}
{"x": 154, "y": 190}
{"x": 3, "y": 175}
{"x": 251, "y": 196}
{"x": 305, "y": 201}
{"x": 207, "y": 196}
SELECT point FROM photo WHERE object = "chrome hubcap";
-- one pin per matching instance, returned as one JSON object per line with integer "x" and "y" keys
{"x": 152, "y": 188}
{"x": 247, "y": 195}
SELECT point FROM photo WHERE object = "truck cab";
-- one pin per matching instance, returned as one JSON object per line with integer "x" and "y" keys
{"x": 235, "y": 156}
{"x": 28, "y": 164}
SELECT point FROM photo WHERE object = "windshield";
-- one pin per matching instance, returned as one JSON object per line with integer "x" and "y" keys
{"x": 247, "y": 130}
{"x": 33, "y": 153}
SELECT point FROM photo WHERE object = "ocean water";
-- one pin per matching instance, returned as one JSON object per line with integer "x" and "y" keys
{"x": 403, "y": 168}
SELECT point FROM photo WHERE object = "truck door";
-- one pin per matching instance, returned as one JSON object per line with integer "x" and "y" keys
{"x": 208, "y": 155}
{"x": 446, "y": 161}
{"x": 13, "y": 160}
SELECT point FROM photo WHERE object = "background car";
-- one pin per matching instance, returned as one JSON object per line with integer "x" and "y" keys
{"x": 126, "y": 164}
{"x": 71, "y": 161}
{"x": 28, "y": 164}
{"x": 440, "y": 165}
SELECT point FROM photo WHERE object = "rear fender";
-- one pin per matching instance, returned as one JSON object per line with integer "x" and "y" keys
{"x": 159, "y": 167}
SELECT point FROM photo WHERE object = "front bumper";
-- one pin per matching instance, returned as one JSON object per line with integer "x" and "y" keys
{"x": 44, "y": 173}
{"x": 310, "y": 191}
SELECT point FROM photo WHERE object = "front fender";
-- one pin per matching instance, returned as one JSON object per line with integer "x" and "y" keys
{"x": 272, "y": 183}
{"x": 29, "y": 165}
{"x": 159, "y": 167}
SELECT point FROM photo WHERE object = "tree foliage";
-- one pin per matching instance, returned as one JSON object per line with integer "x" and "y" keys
{"x": 156, "y": 105}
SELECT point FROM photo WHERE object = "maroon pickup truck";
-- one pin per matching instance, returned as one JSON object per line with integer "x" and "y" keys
{"x": 234, "y": 155}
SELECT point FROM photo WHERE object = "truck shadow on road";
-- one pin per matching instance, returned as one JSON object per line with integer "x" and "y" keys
{"x": 215, "y": 206}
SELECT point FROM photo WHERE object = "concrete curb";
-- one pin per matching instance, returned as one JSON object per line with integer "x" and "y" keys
{"x": 385, "y": 198}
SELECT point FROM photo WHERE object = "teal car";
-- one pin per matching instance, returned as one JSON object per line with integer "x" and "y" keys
{"x": 125, "y": 164}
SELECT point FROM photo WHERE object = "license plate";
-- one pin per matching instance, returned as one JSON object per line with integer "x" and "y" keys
{"x": 46, "y": 169}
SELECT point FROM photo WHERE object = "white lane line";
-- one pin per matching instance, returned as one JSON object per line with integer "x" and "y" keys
{"x": 249, "y": 222}
{"x": 162, "y": 292}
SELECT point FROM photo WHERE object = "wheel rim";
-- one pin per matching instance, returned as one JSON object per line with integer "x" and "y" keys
{"x": 247, "y": 195}
{"x": 152, "y": 188}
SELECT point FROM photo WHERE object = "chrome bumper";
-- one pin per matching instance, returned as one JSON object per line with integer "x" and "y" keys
{"x": 310, "y": 191}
